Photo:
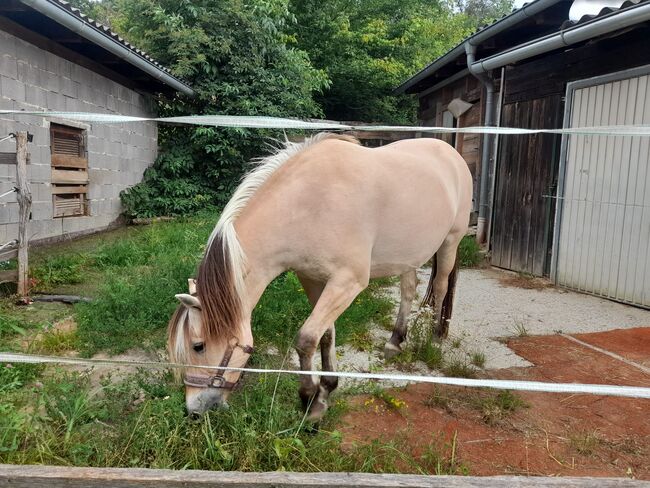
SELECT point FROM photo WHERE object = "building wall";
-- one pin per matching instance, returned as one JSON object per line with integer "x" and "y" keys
{"x": 118, "y": 154}
{"x": 433, "y": 105}
{"x": 527, "y": 165}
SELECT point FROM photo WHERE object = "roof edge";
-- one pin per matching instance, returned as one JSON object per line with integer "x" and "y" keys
{"x": 516, "y": 16}
{"x": 58, "y": 13}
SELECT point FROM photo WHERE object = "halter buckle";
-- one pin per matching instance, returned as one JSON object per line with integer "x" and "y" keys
{"x": 217, "y": 382}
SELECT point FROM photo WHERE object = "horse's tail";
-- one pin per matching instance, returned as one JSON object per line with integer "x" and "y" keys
{"x": 447, "y": 302}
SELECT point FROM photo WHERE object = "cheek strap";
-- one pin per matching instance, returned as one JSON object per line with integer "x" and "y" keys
{"x": 217, "y": 380}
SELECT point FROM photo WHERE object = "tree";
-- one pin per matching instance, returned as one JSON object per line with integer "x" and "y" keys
{"x": 239, "y": 61}
{"x": 482, "y": 12}
{"x": 369, "y": 47}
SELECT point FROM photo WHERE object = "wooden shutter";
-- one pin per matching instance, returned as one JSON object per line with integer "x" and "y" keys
{"x": 69, "y": 171}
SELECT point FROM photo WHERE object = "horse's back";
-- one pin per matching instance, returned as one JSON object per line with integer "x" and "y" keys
{"x": 392, "y": 206}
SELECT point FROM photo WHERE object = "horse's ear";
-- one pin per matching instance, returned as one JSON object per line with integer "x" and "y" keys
{"x": 191, "y": 283}
{"x": 188, "y": 300}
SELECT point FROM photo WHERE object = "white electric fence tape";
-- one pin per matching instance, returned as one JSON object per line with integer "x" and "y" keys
{"x": 255, "y": 122}
{"x": 573, "y": 388}
{"x": 287, "y": 123}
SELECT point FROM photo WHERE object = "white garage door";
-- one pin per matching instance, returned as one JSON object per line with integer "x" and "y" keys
{"x": 603, "y": 244}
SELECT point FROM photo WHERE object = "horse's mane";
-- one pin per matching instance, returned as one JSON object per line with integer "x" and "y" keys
{"x": 220, "y": 281}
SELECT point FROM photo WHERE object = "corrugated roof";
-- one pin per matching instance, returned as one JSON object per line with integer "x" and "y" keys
{"x": 608, "y": 10}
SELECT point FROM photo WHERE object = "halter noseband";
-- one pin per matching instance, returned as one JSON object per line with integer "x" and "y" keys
{"x": 217, "y": 380}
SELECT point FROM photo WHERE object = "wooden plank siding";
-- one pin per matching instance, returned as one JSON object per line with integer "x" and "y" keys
{"x": 526, "y": 175}
{"x": 434, "y": 104}
{"x": 549, "y": 74}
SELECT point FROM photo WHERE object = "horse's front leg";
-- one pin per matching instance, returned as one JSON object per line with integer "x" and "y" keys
{"x": 313, "y": 289}
{"x": 337, "y": 295}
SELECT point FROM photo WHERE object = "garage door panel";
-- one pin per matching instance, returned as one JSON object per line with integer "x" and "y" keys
{"x": 605, "y": 219}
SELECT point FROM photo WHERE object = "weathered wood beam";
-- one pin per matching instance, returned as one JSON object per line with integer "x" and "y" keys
{"x": 17, "y": 476}
{"x": 7, "y": 254}
{"x": 24, "y": 207}
{"x": 60, "y": 298}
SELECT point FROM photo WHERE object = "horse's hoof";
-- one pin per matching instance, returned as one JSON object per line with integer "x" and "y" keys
{"x": 317, "y": 411}
{"x": 391, "y": 350}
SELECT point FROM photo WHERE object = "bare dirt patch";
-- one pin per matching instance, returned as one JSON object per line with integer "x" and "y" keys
{"x": 552, "y": 434}
{"x": 519, "y": 280}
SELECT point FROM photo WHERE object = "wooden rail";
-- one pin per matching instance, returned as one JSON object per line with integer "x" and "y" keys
{"x": 16, "y": 476}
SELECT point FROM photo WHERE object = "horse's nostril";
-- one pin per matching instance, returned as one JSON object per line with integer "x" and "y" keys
{"x": 194, "y": 415}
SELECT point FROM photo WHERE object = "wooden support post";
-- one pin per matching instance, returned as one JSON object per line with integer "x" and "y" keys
{"x": 24, "y": 207}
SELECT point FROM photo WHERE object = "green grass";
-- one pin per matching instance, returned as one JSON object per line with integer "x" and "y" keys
{"x": 469, "y": 252}
{"x": 420, "y": 345}
{"x": 459, "y": 367}
{"x": 140, "y": 422}
{"x": 495, "y": 407}
{"x": 59, "y": 417}
{"x": 478, "y": 359}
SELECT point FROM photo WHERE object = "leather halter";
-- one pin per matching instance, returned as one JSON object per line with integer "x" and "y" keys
{"x": 217, "y": 380}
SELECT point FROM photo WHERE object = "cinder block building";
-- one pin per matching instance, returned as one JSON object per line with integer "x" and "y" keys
{"x": 54, "y": 58}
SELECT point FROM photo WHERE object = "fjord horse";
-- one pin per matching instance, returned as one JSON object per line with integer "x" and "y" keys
{"x": 337, "y": 214}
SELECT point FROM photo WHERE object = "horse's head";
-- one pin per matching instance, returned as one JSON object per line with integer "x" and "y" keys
{"x": 191, "y": 343}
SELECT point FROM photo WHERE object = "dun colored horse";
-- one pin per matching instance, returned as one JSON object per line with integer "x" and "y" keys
{"x": 337, "y": 214}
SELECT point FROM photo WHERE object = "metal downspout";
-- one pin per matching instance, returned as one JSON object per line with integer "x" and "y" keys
{"x": 484, "y": 205}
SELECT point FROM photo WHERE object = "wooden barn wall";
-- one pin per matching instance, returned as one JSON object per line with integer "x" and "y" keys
{"x": 527, "y": 166}
{"x": 527, "y": 171}
{"x": 549, "y": 75}
{"x": 434, "y": 104}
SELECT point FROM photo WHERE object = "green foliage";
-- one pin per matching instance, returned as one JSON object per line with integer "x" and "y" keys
{"x": 368, "y": 48}
{"x": 469, "y": 252}
{"x": 239, "y": 61}
{"x": 58, "y": 270}
{"x": 482, "y": 12}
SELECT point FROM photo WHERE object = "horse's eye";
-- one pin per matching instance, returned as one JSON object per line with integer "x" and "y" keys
{"x": 198, "y": 347}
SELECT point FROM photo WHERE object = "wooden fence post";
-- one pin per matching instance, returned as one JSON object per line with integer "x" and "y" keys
{"x": 24, "y": 207}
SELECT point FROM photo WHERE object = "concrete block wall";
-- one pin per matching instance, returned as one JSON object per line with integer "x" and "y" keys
{"x": 118, "y": 154}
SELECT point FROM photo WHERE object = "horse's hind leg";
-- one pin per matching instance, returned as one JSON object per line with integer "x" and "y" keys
{"x": 442, "y": 285}
{"x": 337, "y": 295}
{"x": 408, "y": 288}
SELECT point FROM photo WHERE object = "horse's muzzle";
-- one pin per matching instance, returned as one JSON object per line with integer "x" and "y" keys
{"x": 205, "y": 400}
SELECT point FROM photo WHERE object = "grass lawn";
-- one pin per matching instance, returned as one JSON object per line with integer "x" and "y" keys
{"x": 59, "y": 416}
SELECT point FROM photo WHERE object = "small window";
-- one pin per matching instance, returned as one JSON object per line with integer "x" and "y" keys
{"x": 69, "y": 171}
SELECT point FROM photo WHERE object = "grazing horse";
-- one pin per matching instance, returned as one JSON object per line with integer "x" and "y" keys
{"x": 337, "y": 214}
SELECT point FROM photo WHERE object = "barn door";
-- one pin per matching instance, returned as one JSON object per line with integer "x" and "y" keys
{"x": 604, "y": 220}
{"x": 526, "y": 175}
